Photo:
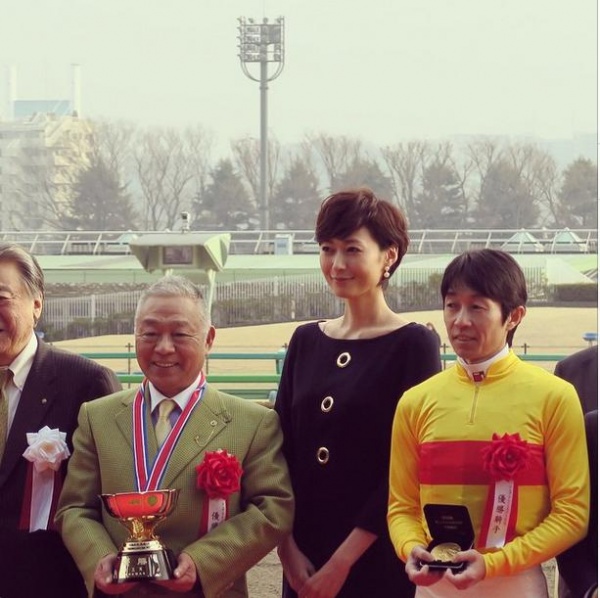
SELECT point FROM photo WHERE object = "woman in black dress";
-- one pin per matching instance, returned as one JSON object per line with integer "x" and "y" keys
{"x": 339, "y": 389}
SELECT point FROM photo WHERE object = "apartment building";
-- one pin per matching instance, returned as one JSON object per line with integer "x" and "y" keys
{"x": 41, "y": 155}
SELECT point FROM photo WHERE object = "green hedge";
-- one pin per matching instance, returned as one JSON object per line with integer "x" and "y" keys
{"x": 576, "y": 293}
{"x": 302, "y": 305}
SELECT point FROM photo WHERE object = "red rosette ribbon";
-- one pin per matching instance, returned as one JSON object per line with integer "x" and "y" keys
{"x": 506, "y": 456}
{"x": 219, "y": 474}
{"x": 503, "y": 459}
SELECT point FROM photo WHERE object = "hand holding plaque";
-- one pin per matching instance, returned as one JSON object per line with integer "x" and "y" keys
{"x": 451, "y": 530}
{"x": 142, "y": 557}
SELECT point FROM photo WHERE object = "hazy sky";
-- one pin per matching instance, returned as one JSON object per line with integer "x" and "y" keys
{"x": 381, "y": 70}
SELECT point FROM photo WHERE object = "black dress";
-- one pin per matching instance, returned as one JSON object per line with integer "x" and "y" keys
{"x": 336, "y": 402}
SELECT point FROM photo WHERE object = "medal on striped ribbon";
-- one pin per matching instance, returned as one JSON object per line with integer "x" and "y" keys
{"x": 149, "y": 478}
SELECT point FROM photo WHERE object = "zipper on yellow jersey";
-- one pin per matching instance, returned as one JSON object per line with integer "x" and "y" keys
{"x": 474, "y": 404}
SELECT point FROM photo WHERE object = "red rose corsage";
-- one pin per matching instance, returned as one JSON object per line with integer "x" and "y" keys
{"x": 506, "y": 456}
{"x": 503, "y": 458}
{"x": 219, "y": 474}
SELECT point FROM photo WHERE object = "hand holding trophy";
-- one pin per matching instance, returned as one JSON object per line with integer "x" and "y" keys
{"x": 142, "y": 557}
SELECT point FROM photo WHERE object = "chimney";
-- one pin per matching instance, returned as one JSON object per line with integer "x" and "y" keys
{"x": 76, "y": 89}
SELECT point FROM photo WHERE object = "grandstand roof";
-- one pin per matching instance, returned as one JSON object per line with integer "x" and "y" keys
{"x": 523, "y": 242}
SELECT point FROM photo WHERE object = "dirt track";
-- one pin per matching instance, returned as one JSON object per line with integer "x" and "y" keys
{"x": 544, "y": 329}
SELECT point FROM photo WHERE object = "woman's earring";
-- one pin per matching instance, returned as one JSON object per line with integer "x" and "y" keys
{"x": 386, "y": 272}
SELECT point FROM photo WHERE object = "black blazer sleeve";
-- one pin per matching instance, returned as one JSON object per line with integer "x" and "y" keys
{"x": 578, "y": 566}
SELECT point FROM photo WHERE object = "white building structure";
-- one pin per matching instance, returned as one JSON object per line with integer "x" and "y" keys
{"x": 43, "y": 147}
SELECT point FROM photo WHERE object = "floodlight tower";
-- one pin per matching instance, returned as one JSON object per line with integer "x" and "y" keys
{"x": 262, "y": 43}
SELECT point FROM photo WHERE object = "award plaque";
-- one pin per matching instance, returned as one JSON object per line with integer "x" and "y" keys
{"x": 142, "y": 556}
{"x": 451, "y": 531}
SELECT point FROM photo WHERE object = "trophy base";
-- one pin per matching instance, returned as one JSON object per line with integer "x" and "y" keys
{"x": 144, "y": 561}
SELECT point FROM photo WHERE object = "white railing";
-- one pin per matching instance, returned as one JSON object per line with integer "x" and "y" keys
{"x": 439, "y": 241}
{"x": 286, "y": 297}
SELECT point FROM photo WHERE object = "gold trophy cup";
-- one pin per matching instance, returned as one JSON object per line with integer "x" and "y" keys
{"x": 142, "y": 556}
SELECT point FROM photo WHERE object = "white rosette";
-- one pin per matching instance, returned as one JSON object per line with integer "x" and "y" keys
{"x": 47, "y": 450}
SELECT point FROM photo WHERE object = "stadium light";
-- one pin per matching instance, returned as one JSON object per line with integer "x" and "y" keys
{"x": 263, "y": 44}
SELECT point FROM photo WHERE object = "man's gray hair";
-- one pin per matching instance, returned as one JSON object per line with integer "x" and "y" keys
{"x": 177, "y": 286}
{"x": 31, "y": 273}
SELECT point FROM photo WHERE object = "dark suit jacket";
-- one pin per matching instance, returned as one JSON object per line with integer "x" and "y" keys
{"x": 578, "y": 566}
{"x": 581, "y": 370}
{"x": 37, "y": 564}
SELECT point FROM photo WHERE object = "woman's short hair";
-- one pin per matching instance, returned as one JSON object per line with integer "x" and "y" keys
{"x": 32, "y": 275}
{"x": 490, "y": 273}
{"x": 346, "y": 211}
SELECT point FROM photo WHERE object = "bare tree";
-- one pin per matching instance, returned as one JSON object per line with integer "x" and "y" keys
{"x": 34, "y": 192}
{"x": 523, "y": 157}
{"x": 406, "y": 163}
{"x": 539, "y": 173}
{"x": 367, "y": 172}
{"x": 442, "y": 153}
{"x": 440, "y": 199}
{"x": 167, "y": 168}
{"x": 246, "y": 155}
{"x": 463, "y": 169}
{"x": 247, "y": 158}
{"x": 484, "y": 153}
{"x": 200, "y": 143}
{"x": 547, "y": 187}
{"x": 112, "y": 143}
{"x": 337, "y": 154}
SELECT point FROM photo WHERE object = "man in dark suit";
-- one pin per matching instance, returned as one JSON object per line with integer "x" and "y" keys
{"x": 581, "y": 370}
{"x": 39, "y": 403}
{"x": 578, "y": 566}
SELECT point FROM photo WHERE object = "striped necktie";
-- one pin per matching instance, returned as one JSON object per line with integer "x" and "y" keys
{"x": 5, "y": 377}
{"x": 163, "y": 423}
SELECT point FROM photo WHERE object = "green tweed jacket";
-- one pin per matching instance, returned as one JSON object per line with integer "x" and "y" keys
{"x": 260, "y": 514}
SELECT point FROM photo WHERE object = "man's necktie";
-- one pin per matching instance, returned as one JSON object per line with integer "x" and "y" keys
{"x": 163, "y": 423}
{"x": 5, "y": 376}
